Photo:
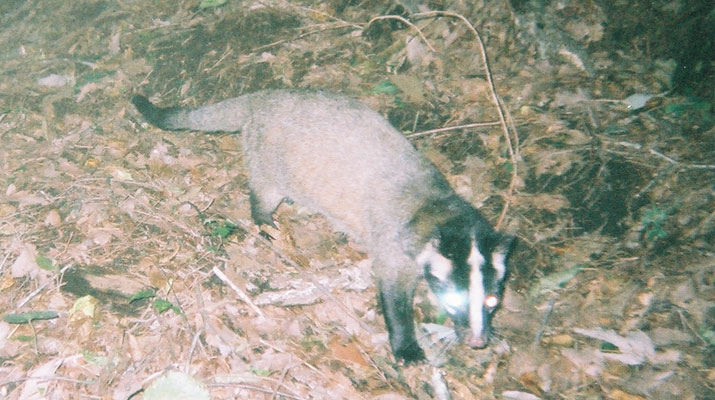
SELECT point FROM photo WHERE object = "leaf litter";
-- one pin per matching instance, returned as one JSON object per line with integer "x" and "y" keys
{"x": 611, "y": 291}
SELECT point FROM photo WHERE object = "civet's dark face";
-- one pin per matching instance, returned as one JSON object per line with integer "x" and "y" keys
{"x": 466, "y": 274}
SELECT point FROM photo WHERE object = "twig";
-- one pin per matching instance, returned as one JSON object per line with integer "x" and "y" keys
{"x": 700, "y": 229}
{"x": 281, "y": 381}
{"x": 685, "y": 323}
{"x": 495, "y": 98}
{"x": 134, "y": 183}
{"x": 208, "y": 205}
{"x": 672, "y": 161}
{"x": 194, "y": 342}
{"x": 305, "y": 363}
{"x": 514, "y": 154}
{"x": 549, "y": 309}
{"x": 301, "y": 36}
{"x": 34, "y": 338}
{"x": 225, "y": 54}
{"x": 452, "y": 128}
{"x": 406, "y": 22}
{"x": 244, "y": 297}
{"x": 46, "y": 379}
{"x": 637, "y": 146}
{"x": 663, "y": 156}
{"x": 41, "y": 288}
{"x": 2, "y": 264}
{"x": 257, "y": 389}
{"x": 322, "y": 13}
{"x": 67, "y": 246}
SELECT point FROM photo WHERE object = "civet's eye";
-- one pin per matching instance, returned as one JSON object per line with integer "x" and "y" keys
{"x": 453, "y": 301}
{"x": 491, "y": 301}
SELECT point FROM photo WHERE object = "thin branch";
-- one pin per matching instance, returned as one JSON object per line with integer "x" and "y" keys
{"x": 241, "y": 294}
{"x": 495, "y": 99}
{"x": 676, "y": 162}
{"x": 639, "y": 147}
{"x": 41, "y": 288}
{"x": 406, "y": 22}
{"x": 452, "y": 128}
{"x": 544, "y": 321}
{"x": 256, "y": 389}
{"x": 47, "y": 379}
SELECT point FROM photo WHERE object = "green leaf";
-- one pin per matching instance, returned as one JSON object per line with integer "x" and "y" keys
{"x": 24, "y": 318}
{"x": 44, "y": 263}
{"x": 225, "y": 230}
{"x": 92, "y": 76}
{"x": 222, "y": 229}
{"x": 609, "y": 347}
{"x": 211, "y": 3}
{"x": 176, "y": 386}
{"x": 142, "y": 294}
{"x": 552, "y": 282}
{"x": 261, "y": 372}
{"x": 652, "y": 222}
{"x": 162, "y": 305}
{"x": 709, "y": 335}
{"x": 94, "y": 359}
{"x": 385, "y": 87}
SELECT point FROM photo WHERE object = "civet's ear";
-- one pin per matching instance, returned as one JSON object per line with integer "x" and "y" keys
{"x": 505, "y": 245}
{"x": 502, "y": 249}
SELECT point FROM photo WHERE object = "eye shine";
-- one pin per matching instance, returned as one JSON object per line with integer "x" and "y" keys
{"x": 453, "y": 301}
{"x": 491, "y": 301}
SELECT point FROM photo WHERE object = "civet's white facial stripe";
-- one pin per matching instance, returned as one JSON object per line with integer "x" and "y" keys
{"x": 499, "y": 264}
{"x": 476, "y": 291}
{"x": 440, "y": 266}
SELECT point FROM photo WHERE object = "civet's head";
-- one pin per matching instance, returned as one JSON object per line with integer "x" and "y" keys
{"x": 465, "y": 267}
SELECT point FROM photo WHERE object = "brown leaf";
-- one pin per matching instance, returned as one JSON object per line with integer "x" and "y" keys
{"x": 563, "y": 340}
{"x": 617, "y": 394}
{"x": 411, "y": 87}
{"x": 25, "y": 263}
{"x": 530, "y": 380}
{"x": 53, "y": 218}
{"x": 346, "y": 351}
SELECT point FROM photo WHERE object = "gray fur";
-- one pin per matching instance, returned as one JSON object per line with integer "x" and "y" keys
{"x": 339, "y": 158}
{"x": 328, "y": 153}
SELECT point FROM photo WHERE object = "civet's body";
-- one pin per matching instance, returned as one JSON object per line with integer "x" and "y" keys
{"x": 335, "y": 156}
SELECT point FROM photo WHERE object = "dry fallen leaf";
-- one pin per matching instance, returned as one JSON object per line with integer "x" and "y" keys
{"x": 53, "y": 218}
{"x": 518, "y": 395}
{"x": 411, "y": 86}
{"x": 587, "y": 360}
{"x": 617, "y": 394}
{"x": 347, "y": 351}
{"x": 545, "y": 201}
{"x": 25, "y": 264}
{"x": 635, "y": 348}
{"x": 563, "y": 340}
{"x": 34, "y": 388}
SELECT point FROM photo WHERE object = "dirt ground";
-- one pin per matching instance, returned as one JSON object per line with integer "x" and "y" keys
{"x": 130, "y": 268}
